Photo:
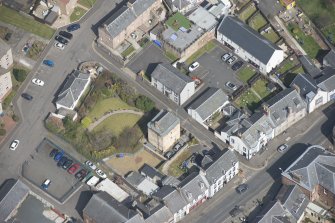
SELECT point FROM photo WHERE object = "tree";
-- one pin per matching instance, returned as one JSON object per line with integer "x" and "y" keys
{"x": 19, "y": 74}
{"x": 144, "y": 103}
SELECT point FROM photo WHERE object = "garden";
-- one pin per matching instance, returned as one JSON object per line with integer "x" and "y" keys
{"x": 271, "y": 35}
{"x": 246, "y": 73}
{"x": 77, "y": 13}
{"x": 247, "y": 12}
{"x": 257, "y": 21}
{"x": 178, "y": 20}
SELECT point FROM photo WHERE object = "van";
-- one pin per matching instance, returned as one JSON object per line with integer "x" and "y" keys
{"x": 93, "y": 181}
{"x": 45, "y": 185}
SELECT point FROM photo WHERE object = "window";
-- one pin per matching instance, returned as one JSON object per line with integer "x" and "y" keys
{"x": 232, "y": 141}
{"x": 319, "y": 100}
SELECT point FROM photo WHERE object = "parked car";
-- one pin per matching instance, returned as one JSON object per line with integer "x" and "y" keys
{"x": 67, "y": 164}
{"x": 282, "y": 148}
{"x": 59, "y": 45}
{"x": 62, "y": 161}
{"x": 93, "y": 181}
{"x": 90, "y": 165}
{"x": 231, "y": 86}
{"x": 62, "y": 40}
{"x": 169, "y": 154}
{"x": 45, "y": 185}
{"x": 73, "y": 168}
{"x": 231, "y": 60}
{"x": 27, "y": 96}
{"x": 14, "y": 144}
{"x": 226, "y": 56}
{"x": 38, "y": 82}
{"x": 177, "y": 147}
{"x": 237, "y": 65}
{"x": 66, "y": 35}
{"x": 73, "y": 27}
{"x": 81, "y": 174}
{"x": 49, "y": 63}
{"x": 59, "y": 155}
{"x": 235, "y": 211}
{"x": 53, "y": 152}
{"x": 242, "y": 188}
{"x": 101, "y": 174}
{"x": 193, "y": 66}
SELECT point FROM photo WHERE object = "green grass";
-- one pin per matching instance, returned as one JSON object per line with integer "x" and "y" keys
{"x": 257, "y": 21}
{"x": 87, "y": 3}
{"x": 178, "y": 20}
{"x": 248, "y": 100}
{"x": 118, "y": 122}
{"x": 329, "y": 33}
{"x": 307, "y": 42}
{"x": 247, "y": 12}
{"x": 174, "y": 168}
{"x": 207, "y": 48}
{"x": 246, "y": 73}
{"x": 171, "y": 56}
{"x": 288, "y": 78}
{"x": 128, "y": 51}
{"x": 288, "y": 64}
{"x": 110, "y": 104}
{"x": 271, "y": 35}
{"x": 77, "y": 13}
{"x": 261, "y": 89}
{"x": 12, "y": 17}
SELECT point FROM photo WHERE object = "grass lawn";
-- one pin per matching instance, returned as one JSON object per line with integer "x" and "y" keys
{"x": 207, "y": 48}
{"x": 257, "y": 22}
{"x": 12, "y": 17}
{"x": 171, "y": 56}
{"x": 128, "y": 51}
{"x": 118, "y": 122}
{"x": 174, "y": 168}
{"x": 36, "y": 49}
{"x": 247, "y": 12}
{"x": 106, "y": 105}
{"x": 271, "y": 35}
{"x": 77, "y": 13}
{"x": 246, "y": 73}
{"x": 307, "y": 42}
{"x": 288, "y": 64}
{"x": 178, "y": 20}
{"x": 329, "y": 33}
{"x": 288, "y": 78}
{"x": 87, "y": 3}
{"x": 261, "y": 89}
{"x": 248, "y": 99}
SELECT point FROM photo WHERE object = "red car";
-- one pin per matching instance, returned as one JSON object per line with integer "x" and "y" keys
{"x": 73, "y": 168}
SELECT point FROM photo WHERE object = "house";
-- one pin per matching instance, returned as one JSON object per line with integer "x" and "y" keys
{"x": 317, "y": 214}
{"x": 329, "y": 59}
{"x": 151, "y": 173}
{"x": 219, "y": 171}
{"x": 288, "y": 4}
{"x": 203, "y": 19}
{"x": 12, "y": 194}
{"x": 209, "y": 103}
{"x": 164, "y": 130}
{"x": 112, "y": 189}
{"x": 314, "y": 173}
{"x": 6, "y": 61}
{"x": 6, "y": 56}
{"x": 326, "y": 82}
{"x": 182, "y": 6}
{"x": 309, "y": 92}
{"x": 175, "y": 85}
{"x": 249, "y": 44}
{"x": 74, "y": 87}
{"x": 66, "y": 6}
{"x": 154, "y": 211}
{"x": 308, "y": 66}
{"x": 127, "y": 19}
{"x": 285, "y": 109}
{"x": 102, "y": 208}
{"x": 141, "y": 183}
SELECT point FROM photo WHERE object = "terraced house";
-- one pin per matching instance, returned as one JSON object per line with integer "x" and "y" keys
{"x": 6, "y": 61}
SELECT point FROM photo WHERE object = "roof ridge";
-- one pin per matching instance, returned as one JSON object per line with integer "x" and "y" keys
{"x": 293, "y": 90}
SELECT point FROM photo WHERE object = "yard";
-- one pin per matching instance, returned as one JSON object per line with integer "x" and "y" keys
{"x": 288, "y": 78}
{"x": 271, "y": 35}
{"x": 207, "y": 48}
{"x": 247, "y": 12}
{"x": 248, "y": 99}
{"x": 246, "y": 73}
{"x": 287, "y": 65}
{"x": 329, "y": 32}
{"x": 178, "y": 20}
{"x": 257, "y": 21}
{"x": 36, "y": 49}
{"x": 77, "y": 13}
{"x": 14, "y": 18}
{"x": 133, "y": 162}
{"x": 128, "y": 51}
{"x": 87, "y": 3}
{"x": 261, "y": 89}
{"x": 174, "y": 168}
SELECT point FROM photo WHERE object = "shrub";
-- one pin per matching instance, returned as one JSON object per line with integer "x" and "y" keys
{"x": 19, "y": 74}
{"x": 15, "y": 118}
{"x": 2, "y": 132}
{"x": 86, "y": 122}
{"x": 144, "y": 103}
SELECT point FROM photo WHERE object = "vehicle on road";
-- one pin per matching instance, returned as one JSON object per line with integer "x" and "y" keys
{"x": 237, "y": 65}
{"x": 53, "y": 152}
{"x": 59, "y": 155}
{"x": 231, "y": 60}
{"x": 81, "y": 174}
{"x": 73, "y": 27}
{"x": 193, "y": 66}
{"x": 169, "y": 154}
{"x": 235, "y": 211}
{"x": 226, "y": 56}
{"x": 66, "y": 35}
{"x": 231, "y": 86}
{"x": 38, "y": 82}
{"x": 45, "y": 185}
{"x": 14, "y": 144}
{"x": 27, "y": 96}
{"x": 67, "y": 164}
{"x": 282, "y": 148}
{"x": 101, "y": 174}
{"x": 62, "y": 40}
{"x": 49, "y": 63}
{"x": 73, "y": 168}
{"x": 241, "y": 188}
{"x": 90, "y": 165}
{"x": 62, "y": 161}
{"x": 59, "y": 45}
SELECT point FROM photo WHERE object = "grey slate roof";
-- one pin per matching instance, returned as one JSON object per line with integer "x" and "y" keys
{"x": 134, "y": 178}
{"x": 247, "y": 38}
{"x": 12, "y": 193}
{"x": 150, "y": 172}
{"x": 170, "y": 77}
{"x": 73, "y": 87}
{"x": 124, "y": 16}
{"x": 309, "y": 66}
{"x": 4, "y": 47}
{"x": 171, "y": 197}
{"x": 305, "y": 84}
{"x": 329, "y": 59}
{"x": 315, "y": 166}
{"x": 192, "y": 186}
{"x": 274, "y": 213}
{"x": 209, "y": 102}
{"x": 327, "y": 80}
{"x": 163, "y": 122}
{"x": 103, "y": 208}
{"x": 203, "y": 18}
{"x": 163, "y": 214}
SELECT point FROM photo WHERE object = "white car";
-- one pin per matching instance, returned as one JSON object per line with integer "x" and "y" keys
{"x": 90, "y": 164}
{"x": 59, "y": 45}
{"x": 101, "y": 174}
{"x": 193, "y": 66}
{"x": 282, "y": 148}
{"x": 38, "y": 82}
{"x": 231, "y": 86}
{"x": 14, "y": 144}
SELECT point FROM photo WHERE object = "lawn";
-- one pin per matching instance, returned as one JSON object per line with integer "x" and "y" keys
{"x": 248, "y": 99}
{"x": 118, "y": 122}
{"x": 307, "y": 42}
{"x": 77, "y": 13}
{"x": 257, "y": 21}
{"x": 171, "y": 56}
{"x": 271, "y": 35}
{"x": 246, "y": 73}
{"x": 87, "y": 3}
{"x": 288, "y": 78}
{"x": 329, "y": 33}
{"x": 288, "y": 64}
{"x": 207, "y": 48}
{"x": 128, "y": 51}
{"x": 247, "y": 12}
{"x": 174, "y": 168}
{"x": 36, "y": 49}
{"x": 261, "y": 89}
{"x": 14, "y": 18}
{"x": 178, "y": 20}
{"x": 109, "y": 104}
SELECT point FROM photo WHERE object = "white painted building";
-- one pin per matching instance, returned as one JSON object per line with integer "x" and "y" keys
{"x": 6, "y": 56}
{"x": 326, "y": 82}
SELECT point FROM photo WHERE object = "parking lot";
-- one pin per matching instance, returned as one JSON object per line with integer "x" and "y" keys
{"x": 40, "y": 167}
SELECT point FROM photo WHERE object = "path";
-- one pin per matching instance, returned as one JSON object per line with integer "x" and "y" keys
{"x": 253, "y": 91}
{"x": 101, "y": 119}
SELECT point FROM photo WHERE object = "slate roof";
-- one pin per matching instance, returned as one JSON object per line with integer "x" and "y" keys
{"x": 329, "y": 59}
{"x": 73, "y": 88}
{"x": 150, "y": 172}
{"x": 163, "y": 122}
{"x": 315, "y": 166}
{"x": 125, "y": 15}
{"x": 192, "y": 186}
{"x": 306, "y": 85}
{"x": 171, "y": 197}
{"x": 4, "y": 47}
{"x": 209, "y": 102}
{"x": 274, "y": 213}
{"x": 103, "y": 208}
{"x": 12, "y": 194}
{"x": 170, "y": 77}
{"x": 159, "y": 214}
{"x": 327, "y": 80}
{"x": 247, "y": 38}
{"x": 309, "y": 66}
{"x": 203, "y": 18}
{"x": 134, "y": 178}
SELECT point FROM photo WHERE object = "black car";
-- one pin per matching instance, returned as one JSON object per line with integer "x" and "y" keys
{"x": 53, "y": 152}
{"x": 62, "y": 161}
{"x": 66, "y": 35}
{"x": 237, "y": 65}
{"x": 235, "y": 211}
{"x": 81, "y": 174}
{"x": 62, "y": 40}
{"x": 242, "y": 188}
{"x": 67, "y": 164}
{"x": 73, "y": 27}
{"x": 27, "y": 96}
